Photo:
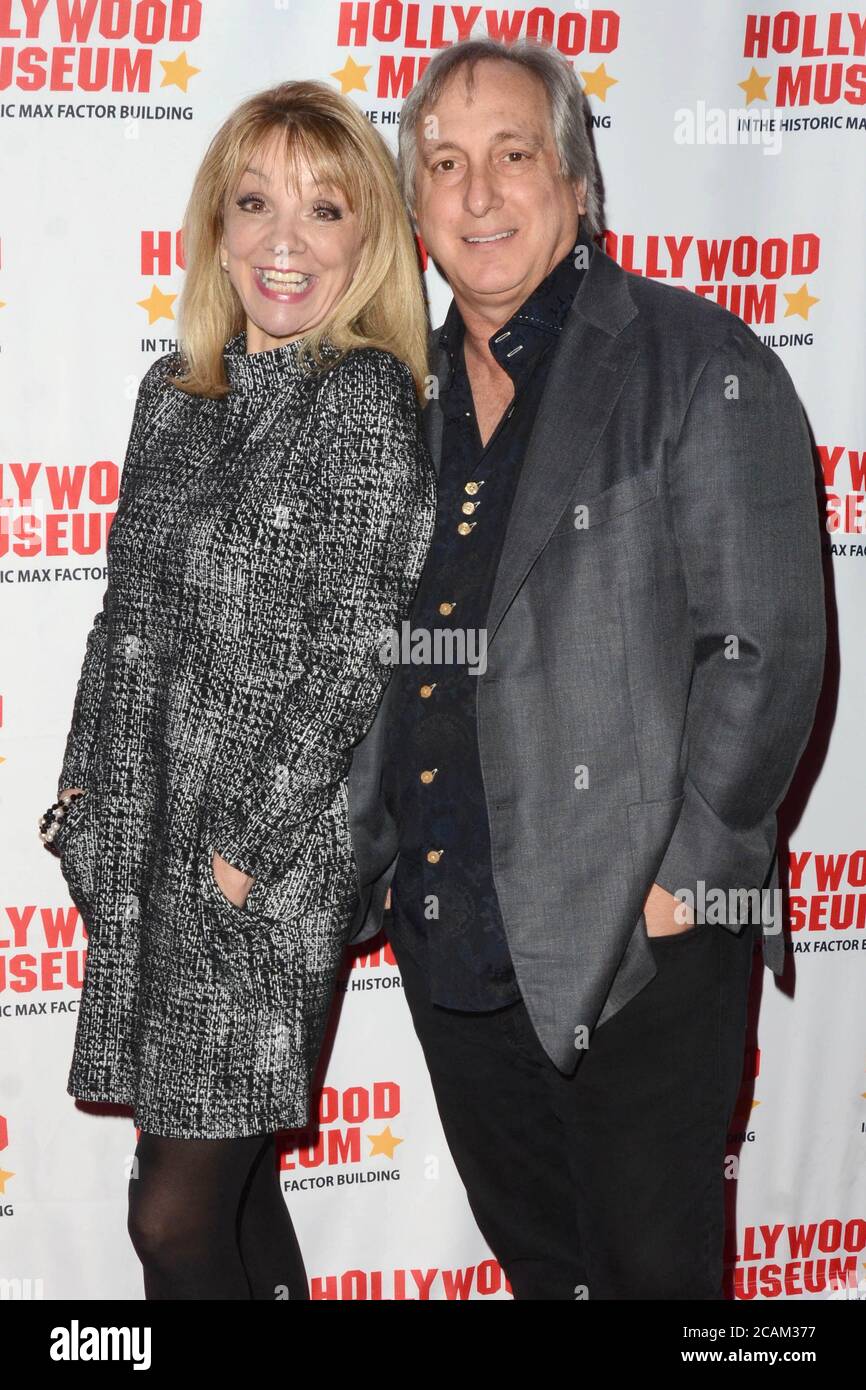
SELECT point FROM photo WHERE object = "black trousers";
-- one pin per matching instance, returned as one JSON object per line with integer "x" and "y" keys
{"x": 608, "y": 1183}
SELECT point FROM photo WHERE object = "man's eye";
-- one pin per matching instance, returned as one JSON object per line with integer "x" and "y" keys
{"x": 442, "y": 163}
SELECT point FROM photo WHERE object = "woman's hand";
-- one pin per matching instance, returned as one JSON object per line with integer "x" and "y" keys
{"x": 232, "y": 882}
{"x": 51, "y": 820}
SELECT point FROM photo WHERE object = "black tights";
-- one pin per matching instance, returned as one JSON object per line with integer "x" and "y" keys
{"x": 208, "y": 1220}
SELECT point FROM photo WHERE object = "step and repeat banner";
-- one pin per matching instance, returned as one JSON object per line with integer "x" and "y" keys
{"x": 731, "y": 140}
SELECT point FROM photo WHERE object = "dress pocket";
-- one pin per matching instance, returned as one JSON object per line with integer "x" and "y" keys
{"x": 260, "y": 959}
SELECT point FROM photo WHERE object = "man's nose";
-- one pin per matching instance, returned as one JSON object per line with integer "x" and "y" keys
{"x": 481, "y": 191}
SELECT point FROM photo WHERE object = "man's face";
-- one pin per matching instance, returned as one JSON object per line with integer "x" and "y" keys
{"x": 491, "y": 205}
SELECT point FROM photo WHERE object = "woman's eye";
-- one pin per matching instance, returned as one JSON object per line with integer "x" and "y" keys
{"x": 249, "y": 198}
{"x": 332, "y": 213}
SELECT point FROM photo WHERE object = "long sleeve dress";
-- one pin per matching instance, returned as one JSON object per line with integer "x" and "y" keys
{"x": 262, "y": 546}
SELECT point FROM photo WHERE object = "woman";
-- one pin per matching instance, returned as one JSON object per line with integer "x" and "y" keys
{"x": 276, "y": 507}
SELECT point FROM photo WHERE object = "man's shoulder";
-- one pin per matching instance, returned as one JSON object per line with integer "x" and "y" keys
{"x": 683, "y": 324}
{"x": 694, "y": 338}
{"x": 678, "y": 327}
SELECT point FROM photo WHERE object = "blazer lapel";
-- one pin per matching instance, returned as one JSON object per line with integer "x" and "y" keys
{"x": 589, "y": 368}
{"x": 432, "y": 416}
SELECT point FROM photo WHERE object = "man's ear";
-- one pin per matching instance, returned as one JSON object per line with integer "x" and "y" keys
{"x": 580, "y": 195}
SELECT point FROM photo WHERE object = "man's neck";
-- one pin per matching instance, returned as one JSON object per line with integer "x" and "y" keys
{"x": 482, "y": 320}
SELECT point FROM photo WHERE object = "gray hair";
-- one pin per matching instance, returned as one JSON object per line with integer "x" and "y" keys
{"x": 569, "y": 111}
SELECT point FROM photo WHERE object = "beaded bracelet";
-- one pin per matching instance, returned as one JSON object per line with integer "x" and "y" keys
{"x": 50, "y": 822}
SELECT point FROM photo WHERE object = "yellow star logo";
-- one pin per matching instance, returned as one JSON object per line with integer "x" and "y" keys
{"x": 178, "y": 72}
{"x": 755, "y": 87}
{"x": 800, "y": 303}
{"x": 384, "y": 1143}
{"x": 5, "y": 1175}
{"x": 596, "y": 84}
{"x": 158, "y": 305}
{"x": 351, "y": 77}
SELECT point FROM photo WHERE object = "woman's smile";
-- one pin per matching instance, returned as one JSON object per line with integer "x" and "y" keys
{"x": 288, "y": 286}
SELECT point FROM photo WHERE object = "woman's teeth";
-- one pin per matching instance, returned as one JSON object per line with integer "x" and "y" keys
{"x": 283, "y": 279}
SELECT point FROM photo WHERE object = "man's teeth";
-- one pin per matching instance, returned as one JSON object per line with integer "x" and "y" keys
{"x": 497, "y": 236}
{"x": 282, "y": 279}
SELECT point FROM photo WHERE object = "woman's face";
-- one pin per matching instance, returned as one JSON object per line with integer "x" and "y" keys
{"x": 290, "y": 258}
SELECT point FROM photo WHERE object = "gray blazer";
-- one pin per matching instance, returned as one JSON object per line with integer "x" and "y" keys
{"x": 655, "y": 646}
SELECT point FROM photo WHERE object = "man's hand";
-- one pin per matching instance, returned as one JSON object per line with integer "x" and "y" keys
{"x": 666, "y": 915}
{"x": 233, "y": 883}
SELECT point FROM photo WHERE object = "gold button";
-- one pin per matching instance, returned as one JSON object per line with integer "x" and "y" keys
{"x": 468, "y": 507}
{"x": 472, "y": 488}
{"x": 434, "y": 855}
{"x": 465, "y": 527}
{"x": 428, "y": 774}
{"x": 446, "y": 608}
{"x": 426, "y": 691}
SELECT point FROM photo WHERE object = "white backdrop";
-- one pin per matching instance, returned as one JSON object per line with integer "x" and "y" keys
{"x": 731, "y": 144}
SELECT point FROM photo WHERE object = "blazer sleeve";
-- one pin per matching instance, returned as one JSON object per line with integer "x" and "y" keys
{"x": 745, "y": 517}
{"x": 83, "y": 733}
{"x": 375, "y": 512}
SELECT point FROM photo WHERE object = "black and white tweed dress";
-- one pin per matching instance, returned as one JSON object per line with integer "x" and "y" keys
{"x": 262, "y": 545}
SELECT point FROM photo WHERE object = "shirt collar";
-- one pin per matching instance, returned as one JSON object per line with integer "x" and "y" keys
{"x": 540, "y": 319}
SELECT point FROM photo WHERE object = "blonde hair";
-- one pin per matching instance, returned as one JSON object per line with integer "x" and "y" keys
{"x": 383, "y": 307}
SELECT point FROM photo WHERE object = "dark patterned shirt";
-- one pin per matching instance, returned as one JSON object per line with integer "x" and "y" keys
{"x": 445, "y": 908}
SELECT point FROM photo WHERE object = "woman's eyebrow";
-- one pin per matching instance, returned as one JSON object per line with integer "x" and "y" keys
{"x": 259, "y": 174}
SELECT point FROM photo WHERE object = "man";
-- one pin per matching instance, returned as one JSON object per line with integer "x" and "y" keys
{"x": 627, "y": 517}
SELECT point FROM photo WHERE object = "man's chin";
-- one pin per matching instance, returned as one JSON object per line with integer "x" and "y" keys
{"x": 496, "y": 274}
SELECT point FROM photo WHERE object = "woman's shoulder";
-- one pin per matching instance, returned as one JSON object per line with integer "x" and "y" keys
{"x": 370, "y": 368}
{"x": 157, "y": 374}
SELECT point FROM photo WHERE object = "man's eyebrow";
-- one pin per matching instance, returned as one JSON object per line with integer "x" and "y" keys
{"x": 525, "y": 136}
